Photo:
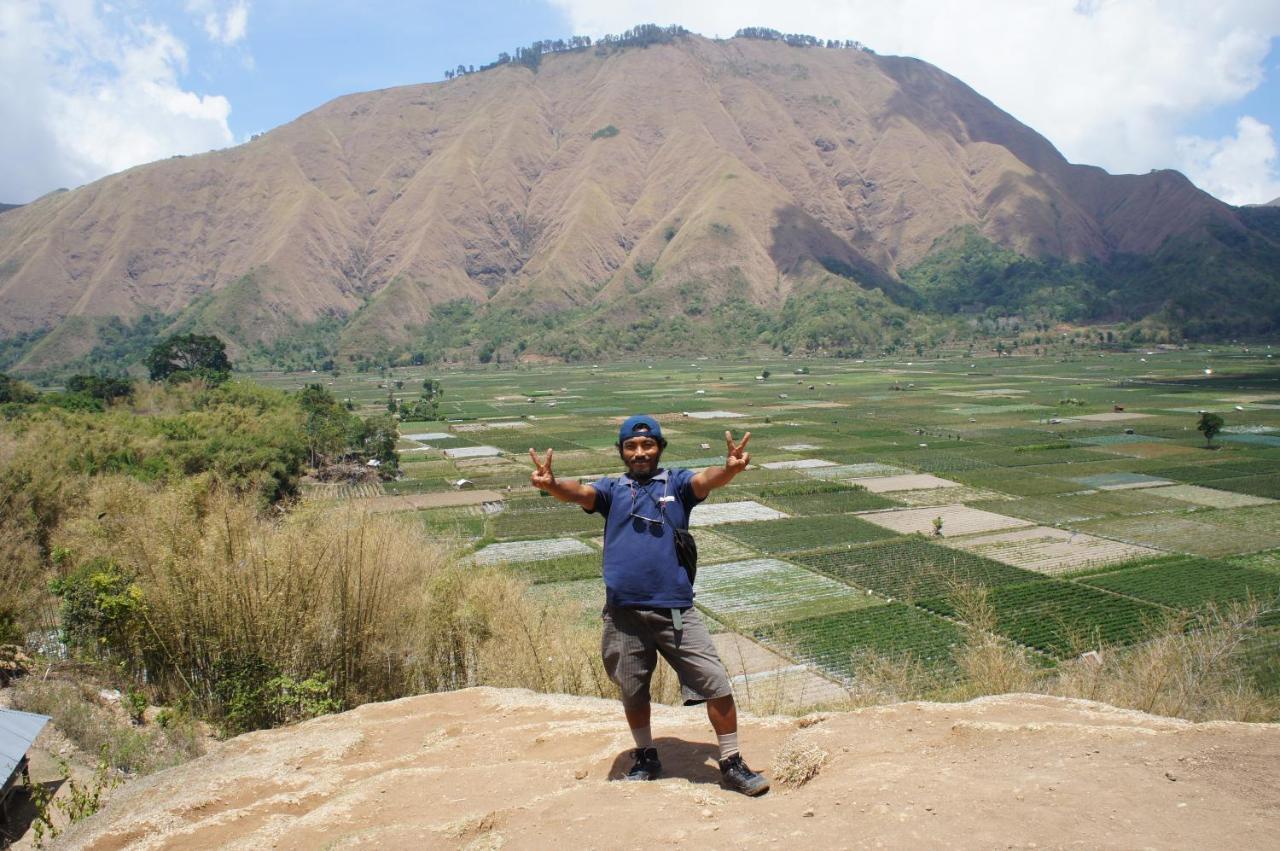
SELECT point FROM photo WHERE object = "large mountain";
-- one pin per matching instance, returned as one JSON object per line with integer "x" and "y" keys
{"x": 699, "y": 169}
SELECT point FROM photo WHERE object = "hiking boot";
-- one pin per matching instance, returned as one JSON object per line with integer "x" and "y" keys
{"x": 647, "y": 765}
{"x": 738, "y": 776}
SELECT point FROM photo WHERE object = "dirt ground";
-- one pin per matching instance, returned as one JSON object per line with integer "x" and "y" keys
{"x": 488, "y": 768}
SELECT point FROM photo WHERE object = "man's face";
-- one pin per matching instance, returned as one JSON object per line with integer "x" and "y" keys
{"x": 641, "y": 455}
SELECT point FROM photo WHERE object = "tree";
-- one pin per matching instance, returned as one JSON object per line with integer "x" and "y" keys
{"x": 326, "y": 425}
{"x": 14, "y": 390}
{"x": 189, "y": 356}
{"x": 1209, "y": 425}
{"x": 100, "y": 387}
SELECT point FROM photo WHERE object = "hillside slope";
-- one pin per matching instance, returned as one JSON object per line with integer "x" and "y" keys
{"x": 487, "y": 768}
{"x": 729, "y": 166}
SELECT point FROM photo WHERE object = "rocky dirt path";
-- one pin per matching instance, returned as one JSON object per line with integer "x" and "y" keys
{"x": 488, "y": 768}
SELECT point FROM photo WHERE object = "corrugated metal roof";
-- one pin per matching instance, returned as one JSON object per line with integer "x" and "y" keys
{"x": 17, "y": 731}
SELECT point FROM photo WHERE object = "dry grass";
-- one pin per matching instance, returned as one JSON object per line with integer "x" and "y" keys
{"x": 99, "y": 730}
{"x": 1184, "y": 672}
{"x": 798, "y": 761}
{"x": 377, "y": 606}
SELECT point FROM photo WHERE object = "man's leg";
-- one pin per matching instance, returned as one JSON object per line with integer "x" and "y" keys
{"x": 629, "y": 659}
{"x": 722, "y": 712}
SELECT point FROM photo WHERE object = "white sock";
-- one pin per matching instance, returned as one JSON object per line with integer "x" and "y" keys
{"x": 643, "y": 736}
{"x": 728, "y": 745}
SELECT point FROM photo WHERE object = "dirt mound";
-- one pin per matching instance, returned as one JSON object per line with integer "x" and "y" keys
{"x": 489, "y": 768}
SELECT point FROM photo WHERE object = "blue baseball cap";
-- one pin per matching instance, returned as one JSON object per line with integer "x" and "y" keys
{"x": 640, "y": 425}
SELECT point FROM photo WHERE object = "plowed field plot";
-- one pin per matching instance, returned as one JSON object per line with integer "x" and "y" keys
{"x": 799, "y": 464}
{"x": 767, "y": 591}
{"x": 521, "y": 441}
{"x": 465, "y": 521}
{"x": 1209, "y": 497}
{"x": 912, "y": 568}
{"x": 894, "y": 630}
{"x": 492, "y": 425}
{"x": 1112, "y": 417}
{"x": 342, "y": 490}
{"x": 949, "y": 496}
{"x": 1064, "y": 619}
{"x": 852, "y": 471}
{"x": 714, "y": 547}
{"x": 1190, "y": 582}
{"x": 1090, "y": 505}
{"x": 1254, "y": 439}
{"x": 557, "y": 570}
{"x": 1114, "y": 439}
{"x": 577, "y": 599}
{"x": 956, "y": 520}
{"x": 796, "y": 534}
{"x": 747, "y": 511}
{"x": 1149, "y": 451}
{"x": 914, "y": 481}
{"x": 1269, "y": 561}
{"x": 1121, "y": 481}
{"x": 1267, "y": 485}
{"x": 1264, "y": 519}
{"x": 543, "y": 517}
{"x": 1047, "y": 550}
{"x": 522, "y": 551}
{"x": 472, "y": 452}
{"x": 946, "y": 461}
{"x": 714, "y": 415}
{"x": 1179, "y": 533}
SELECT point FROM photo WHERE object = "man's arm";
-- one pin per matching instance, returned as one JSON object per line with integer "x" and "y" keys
{"x": 736, "y": 460}
{"x": 566, "y": 491}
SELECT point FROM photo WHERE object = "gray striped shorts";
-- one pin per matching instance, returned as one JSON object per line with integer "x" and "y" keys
{"x": 632, "y": 640}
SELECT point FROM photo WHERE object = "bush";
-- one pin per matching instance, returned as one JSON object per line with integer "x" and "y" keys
{"x": 606, "y": 132}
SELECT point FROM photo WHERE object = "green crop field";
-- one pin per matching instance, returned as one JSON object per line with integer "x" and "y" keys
{"x": 1188, "y": 582}
{"x": 1023, "y": 437}
{"x": 911, "y": 568}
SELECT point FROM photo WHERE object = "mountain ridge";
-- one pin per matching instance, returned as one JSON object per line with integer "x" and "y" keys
{"x": 741, "y": 167}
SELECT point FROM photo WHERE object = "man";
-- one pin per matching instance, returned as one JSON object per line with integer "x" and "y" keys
{"x": 648, "y": 596}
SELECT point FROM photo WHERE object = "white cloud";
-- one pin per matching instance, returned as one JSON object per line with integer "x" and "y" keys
{"x": 1109, "y": 82}
{"x": 85, "y": 92}
{"x": 1239, "y": 169}
{"x": 225, "y": 23}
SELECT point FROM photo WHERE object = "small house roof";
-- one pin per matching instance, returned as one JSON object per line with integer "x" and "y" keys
{"x": 17, "y": 731}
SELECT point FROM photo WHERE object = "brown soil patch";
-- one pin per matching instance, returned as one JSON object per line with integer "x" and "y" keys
{"x": 495, "y": 768}
{"x": 417, "y": 501}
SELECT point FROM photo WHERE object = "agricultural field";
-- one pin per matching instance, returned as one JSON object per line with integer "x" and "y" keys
{"x": 1077, "y": 495}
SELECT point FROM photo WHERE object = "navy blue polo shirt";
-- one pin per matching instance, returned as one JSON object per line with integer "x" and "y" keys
{"x": 640, "y": 566}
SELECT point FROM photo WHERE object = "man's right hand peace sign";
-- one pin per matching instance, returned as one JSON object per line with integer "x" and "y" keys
{"x": 542, "y": 477}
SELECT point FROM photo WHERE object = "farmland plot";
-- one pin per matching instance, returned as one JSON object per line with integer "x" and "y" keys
{"x": 911, "y": 568}
{"x": 1264, "y": 519}
{"x": 819, "y": 497}
{"x": 746, "y": 511}
{"x": 1064, "y": 619}
{"x": 914, "y": 481}
{"x": 715, "y": 546}
{"x": 540, "y": 550}
{"x": 805, "y": 533}
{"x": 543, "y": 517}
{"x": 1190, "y": 582}
{"x": 1181, "y": 533}
{"x": 1208, "y": 497}
{"x": 948, "y": 496}
{"x": 759, "y": 592}
{"x": 1088, "y": 505}
{"x": 894, "y": 630}
{"x": 852, "y": 471}
{"x": 1047, "y": 550}
{"x": 956, "y": 520}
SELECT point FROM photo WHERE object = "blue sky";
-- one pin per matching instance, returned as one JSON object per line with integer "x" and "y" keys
{"x": 89, "y": 87}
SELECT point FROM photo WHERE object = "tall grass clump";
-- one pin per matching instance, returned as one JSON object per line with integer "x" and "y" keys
{"x": 256, "y": 619}
{"x": 1195, "y": 668}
